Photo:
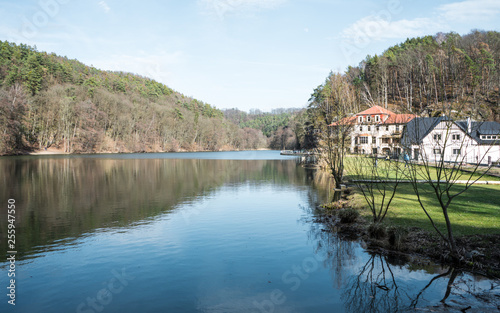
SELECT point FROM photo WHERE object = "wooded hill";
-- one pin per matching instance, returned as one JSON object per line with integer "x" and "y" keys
{"x": 51, "y": 101}
{"x": 421, "y": 74}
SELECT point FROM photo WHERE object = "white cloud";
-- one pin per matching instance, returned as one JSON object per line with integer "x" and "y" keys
{"x": 379, "y": 27}
{"x": 374, "y": 28}
{"x": 104, "y": 6}
{"x": 157, "y": 66}
{"x": 470, "y": 10}
{"x": 226, "y": 7}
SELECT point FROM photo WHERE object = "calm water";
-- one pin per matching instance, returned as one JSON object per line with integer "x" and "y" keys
{"x": 199, "y": 232}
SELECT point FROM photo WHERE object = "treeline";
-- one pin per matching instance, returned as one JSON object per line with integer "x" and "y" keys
{"x": 51, "y": 101}
{"x": 422, "y": 73}
{"x": 287, "y": 129}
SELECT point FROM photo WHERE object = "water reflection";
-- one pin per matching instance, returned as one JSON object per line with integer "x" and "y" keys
{"x": 372, "y": 282}
{"x": 373, "y": 289}
{"x": 59, "y": 199}
{"x": 204, "y": 235}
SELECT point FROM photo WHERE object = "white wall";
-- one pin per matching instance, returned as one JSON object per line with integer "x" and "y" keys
{"x": 470, "y": 150}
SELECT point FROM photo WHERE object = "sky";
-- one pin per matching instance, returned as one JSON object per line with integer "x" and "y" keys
{"x": 245, "y": 54}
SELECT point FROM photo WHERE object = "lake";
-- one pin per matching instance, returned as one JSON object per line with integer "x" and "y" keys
{"x": 200, "y": 232}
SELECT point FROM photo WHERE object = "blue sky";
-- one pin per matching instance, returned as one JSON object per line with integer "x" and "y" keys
{"x": 246, "y": 54}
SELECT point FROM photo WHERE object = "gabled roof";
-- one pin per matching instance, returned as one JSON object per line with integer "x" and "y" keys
{"x": 392, "y": 118}
{"x": 419, "y": 127}
{"x": 375, "y": 110}
{"x": 481, "y": 128}
{"x": 399, "y": 118}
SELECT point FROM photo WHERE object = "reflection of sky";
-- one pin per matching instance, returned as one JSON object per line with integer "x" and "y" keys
{"x": 220, "y": 252}
{"x": 231, "y": 155}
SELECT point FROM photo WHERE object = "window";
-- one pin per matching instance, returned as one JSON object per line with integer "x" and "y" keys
{"x": 363, "y": 140}
{"x": 397, "y": 128}
{"x": 456, "y": 151}
{"x": 386, "y": 140}
{"x": 368, "y": 118}
{"x": 360, "y": 119}
{"x": 360, "y": 128}
{"x": 437, "y": 137}
{"x": 436, "y": 151}
{"x": 387, "y": 128}
{"x": 455, "y": 137}
{"x": 488, "y": 137}
{"x": 377, "y": 128}
{"x": 377, "y": 118}
{"x": 374, "y": 140}
{"x": 369, "y": 128}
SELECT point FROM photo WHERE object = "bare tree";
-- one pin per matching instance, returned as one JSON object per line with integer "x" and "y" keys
{"x": 444, "y": 147}
{"x": 334, "y": 103}
{"x": 12, "y": 108}
{"x": 377, "y": 180}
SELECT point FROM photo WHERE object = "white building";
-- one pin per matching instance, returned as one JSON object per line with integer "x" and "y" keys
{"x": 377, "y": 131}
{"x": 467, "y": 141}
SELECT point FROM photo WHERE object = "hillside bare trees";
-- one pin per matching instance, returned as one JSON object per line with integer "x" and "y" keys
{"x": 51, "y": 101}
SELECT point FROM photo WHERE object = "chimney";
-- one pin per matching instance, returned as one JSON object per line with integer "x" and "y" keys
{"x": 469, "y": 125}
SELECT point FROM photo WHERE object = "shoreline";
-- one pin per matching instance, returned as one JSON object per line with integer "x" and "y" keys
{"x": 482, "y": 252}
{"x": 56, "y": 151}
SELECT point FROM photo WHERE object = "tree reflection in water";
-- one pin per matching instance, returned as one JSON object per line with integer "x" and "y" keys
{"x": 374, "y": 289}
{"x": 388, "y": 283}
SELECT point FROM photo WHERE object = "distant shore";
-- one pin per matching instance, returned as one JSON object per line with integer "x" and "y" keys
{"x": 58, "y": 151}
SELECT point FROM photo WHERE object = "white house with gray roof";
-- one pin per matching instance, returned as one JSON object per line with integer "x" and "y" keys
{"x": 436, "y": 138}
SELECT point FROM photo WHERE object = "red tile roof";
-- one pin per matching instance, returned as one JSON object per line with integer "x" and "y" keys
{"x": 399, "y": 118}
{"x": 374, "y": 110}
{"x": 386, "y": 117}
{"x": 345, "y": 121}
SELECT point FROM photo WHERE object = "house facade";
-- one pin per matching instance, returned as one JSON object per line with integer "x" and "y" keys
{"x": 378, "y": 131}
{"x": 437, "y": 138}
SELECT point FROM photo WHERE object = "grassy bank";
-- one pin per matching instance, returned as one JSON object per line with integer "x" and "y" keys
{"x": 366, "y": 164}
{"x": 477, "y": 211}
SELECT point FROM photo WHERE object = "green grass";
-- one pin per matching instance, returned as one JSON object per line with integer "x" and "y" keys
{"x": 477, "y": 211}
{"x": 367, "y": 164}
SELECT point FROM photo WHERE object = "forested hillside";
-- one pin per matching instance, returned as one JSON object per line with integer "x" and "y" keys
{"x": 283, "y": 128}
{"x": 422, "y": 73}
{"x": 52, "y": 101}
{"x": 428, "y": 76}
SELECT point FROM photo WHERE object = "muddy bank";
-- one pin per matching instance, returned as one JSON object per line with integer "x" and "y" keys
{"x": 480, "y": 253}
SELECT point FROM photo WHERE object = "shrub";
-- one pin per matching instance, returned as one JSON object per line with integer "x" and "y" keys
{"x": 377, "y": 230}
{"x": 397, "y": 236}
{"x": 348, "y": 215}
{"x": 337, "y": 205}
